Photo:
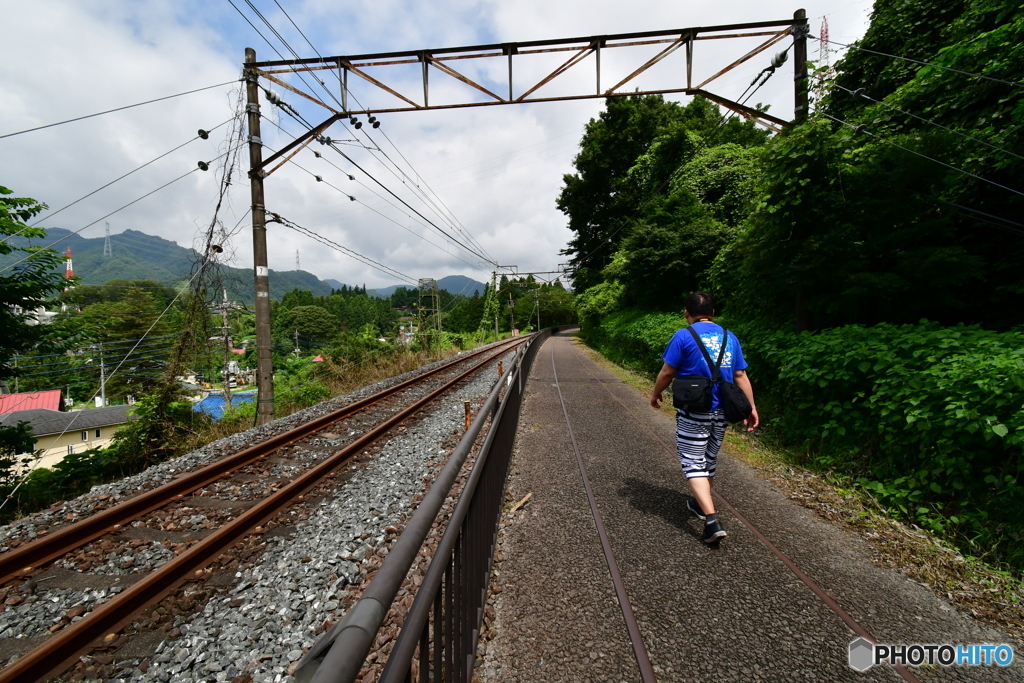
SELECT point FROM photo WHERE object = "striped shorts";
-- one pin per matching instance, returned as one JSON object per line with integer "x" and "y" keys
{"x": 698, "y": 439}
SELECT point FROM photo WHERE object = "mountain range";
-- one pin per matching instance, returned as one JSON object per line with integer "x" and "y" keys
{"x": 136, "y": 255}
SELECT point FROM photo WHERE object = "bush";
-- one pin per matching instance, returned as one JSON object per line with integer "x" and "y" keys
{"x": 635, "y": 339}
{"x": 929, "y": 419}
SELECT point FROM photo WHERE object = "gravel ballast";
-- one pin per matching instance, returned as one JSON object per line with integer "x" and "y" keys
{"x": 257, "y": 624}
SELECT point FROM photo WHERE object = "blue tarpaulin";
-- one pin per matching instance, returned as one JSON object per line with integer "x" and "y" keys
{"x": 213, "y": 405}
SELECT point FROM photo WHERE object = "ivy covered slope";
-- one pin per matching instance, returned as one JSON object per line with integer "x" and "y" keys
{"x": 886, "y": 229}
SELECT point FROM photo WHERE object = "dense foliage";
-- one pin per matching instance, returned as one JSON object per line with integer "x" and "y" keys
{"x": 896, "y": 203}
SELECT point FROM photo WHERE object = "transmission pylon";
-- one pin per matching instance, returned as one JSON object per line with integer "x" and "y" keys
{"x": 824, "y": 67}
{"x": 107, "y": 251}
{"x": 429, "y": 312}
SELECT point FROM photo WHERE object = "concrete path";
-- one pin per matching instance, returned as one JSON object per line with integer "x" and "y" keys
{"x": 733, "y": 612}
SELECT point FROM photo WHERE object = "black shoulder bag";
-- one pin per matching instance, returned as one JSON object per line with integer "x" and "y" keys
{"x": 693, "y": 392}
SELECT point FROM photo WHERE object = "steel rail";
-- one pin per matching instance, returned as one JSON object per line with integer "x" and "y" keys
{"x": 24, "y": 559}
{"x": 64, "y": 648}
{"x": 636, "y": 638}
{"x": 800, "y": 574}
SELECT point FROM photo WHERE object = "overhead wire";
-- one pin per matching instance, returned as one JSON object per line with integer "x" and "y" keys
{"x": 134, "y": 201}
{"x": 924, "y": 63}
{"x": 366, "y": 260}
{"x": 450, "y": 218}
{"x": 860, "y": 93}
{"x": 329, "y": 142}
{"x": 863, "y": 129}
{"x": 110, "y": 111}
{"x": 113, "y": 372}
{"x": 138, "y": 168}
{"x": 371, "y": 208}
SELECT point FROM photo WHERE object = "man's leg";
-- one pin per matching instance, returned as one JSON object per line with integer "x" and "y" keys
{"x": 695, "y": 433}
{"x": 701, "y": 487}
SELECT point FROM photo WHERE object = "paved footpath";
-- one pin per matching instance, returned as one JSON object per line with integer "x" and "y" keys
{"x": 733, "y": 612}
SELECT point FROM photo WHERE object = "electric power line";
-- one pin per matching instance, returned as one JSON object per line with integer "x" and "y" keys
{"x": 923, "y": 63}
{"x": 863, "y": 129}
{"x": 134, "y": 201}
{"x": 366, "y": 260}
{"x": 110, "y": 111}
{"x": 860, "y": 93}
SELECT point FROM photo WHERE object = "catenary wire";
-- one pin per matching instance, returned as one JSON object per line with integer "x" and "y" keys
{"x": 384, "y": 199}
{"x": 366, "y": 260}
{"x": 864, "y": 130}
{"x": 110, "y": 111}
{"x": 923, "y": 63}
{"x": 393, "y": 194}
{"x": 450, "y": 218}
{"x": 860, "y": 93}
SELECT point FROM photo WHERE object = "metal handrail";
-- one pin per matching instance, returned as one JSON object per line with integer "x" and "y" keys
{"x": 339, "y": 655}
{"x": 454, "y": 589}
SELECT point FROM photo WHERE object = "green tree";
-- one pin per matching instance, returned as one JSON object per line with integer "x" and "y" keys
{"x": 26, "y": 286}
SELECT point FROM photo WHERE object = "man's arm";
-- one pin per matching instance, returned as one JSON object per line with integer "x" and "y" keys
{"x": 743, "y": 382}
{"x": 665, "y": 378}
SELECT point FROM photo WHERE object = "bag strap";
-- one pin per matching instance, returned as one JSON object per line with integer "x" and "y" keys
{"x": 716, "y": 372}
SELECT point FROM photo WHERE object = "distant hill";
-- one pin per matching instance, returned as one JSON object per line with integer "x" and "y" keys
{"x": 454, "y": 284}
{"x": 138, "y": 256}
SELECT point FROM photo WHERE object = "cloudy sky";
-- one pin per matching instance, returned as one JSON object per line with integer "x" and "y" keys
{"x": 494, "y": 172}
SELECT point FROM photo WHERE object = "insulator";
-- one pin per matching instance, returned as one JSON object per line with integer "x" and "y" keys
{"x": 862, "y": 129}
{"x": 780, "y": 58}
{"x": 318, "y": 179}
{"x": 204, "y": 134}
{"x": 273, "y": 96}
{"x": 371, "y": 119}
{"x": 351, "y": 198}
{"x": 216, "y": 248}
{"x": 327, "y": 141}
{"x": 859, "y": 92}
{"x": 351, "y": 177}
{"x": 358, "y": 125}
{"x": 376, "y": 124}
{"x": 203, "y": 166}
{"x": 316, "y": 154}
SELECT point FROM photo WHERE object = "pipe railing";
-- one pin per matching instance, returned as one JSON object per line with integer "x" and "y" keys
{"x": 442, "y": 627}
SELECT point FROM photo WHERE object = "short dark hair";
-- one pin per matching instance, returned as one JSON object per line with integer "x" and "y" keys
{"x": 700, "y": 303}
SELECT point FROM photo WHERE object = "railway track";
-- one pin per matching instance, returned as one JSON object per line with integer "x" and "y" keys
{"x": 251, "y": 471}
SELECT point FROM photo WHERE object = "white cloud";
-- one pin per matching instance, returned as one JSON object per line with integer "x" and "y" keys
{"x": 498, "y": 169}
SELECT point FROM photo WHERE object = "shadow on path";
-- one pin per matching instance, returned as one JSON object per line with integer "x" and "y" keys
{"x": 667, "y": 503}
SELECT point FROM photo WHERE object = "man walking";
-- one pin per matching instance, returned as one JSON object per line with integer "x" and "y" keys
{"x": 699, "y": 435}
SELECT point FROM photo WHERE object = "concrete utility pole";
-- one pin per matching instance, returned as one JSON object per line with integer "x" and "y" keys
{"x": 103, "y": 381}
{"x": 227, "y": 349}
{"x": 264, "y": 362}
{"x": 800, "y": 30}
{"x": 494, "y": 289}
{"x": 800, "y": 106}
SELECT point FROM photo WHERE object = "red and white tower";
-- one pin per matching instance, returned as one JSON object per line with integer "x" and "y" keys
{"x": 825, "y": 73}
{"x": 69, "y": 271}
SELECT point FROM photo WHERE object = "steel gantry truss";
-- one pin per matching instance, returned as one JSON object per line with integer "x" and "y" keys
{"x": 443, "y": 62}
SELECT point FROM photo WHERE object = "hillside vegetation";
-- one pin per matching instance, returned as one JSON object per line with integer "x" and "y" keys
{"x": 869, "y": 260}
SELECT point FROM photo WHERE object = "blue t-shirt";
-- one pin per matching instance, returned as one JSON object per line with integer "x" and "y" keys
{"x": 682, "y": 354}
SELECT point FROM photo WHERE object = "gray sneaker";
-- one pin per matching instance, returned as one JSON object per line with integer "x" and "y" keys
{"x": 693, "y": 506}
{"x": 713, "y": 532}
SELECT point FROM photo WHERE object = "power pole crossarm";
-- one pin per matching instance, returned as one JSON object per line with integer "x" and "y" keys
{"x": 261, "y": 272}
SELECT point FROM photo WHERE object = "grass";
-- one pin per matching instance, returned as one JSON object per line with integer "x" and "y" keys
{"x": 989, "y": 593}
